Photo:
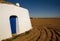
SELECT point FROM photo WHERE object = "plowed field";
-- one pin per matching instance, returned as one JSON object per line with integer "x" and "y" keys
{"x": 44, "y": 29}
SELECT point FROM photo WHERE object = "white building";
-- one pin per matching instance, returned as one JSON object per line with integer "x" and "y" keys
{"x": 22, "y": 20}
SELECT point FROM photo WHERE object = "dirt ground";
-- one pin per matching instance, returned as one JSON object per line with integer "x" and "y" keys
{"x": 44, "y": 29}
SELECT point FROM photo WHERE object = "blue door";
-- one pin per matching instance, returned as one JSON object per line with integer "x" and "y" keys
{"x": 13, "y": 24}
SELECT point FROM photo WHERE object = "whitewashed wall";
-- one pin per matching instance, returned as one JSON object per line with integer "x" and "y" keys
{"x": 7, "y": 10}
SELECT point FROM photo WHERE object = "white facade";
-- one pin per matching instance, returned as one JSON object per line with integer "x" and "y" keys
{"x": 23, "y": 23}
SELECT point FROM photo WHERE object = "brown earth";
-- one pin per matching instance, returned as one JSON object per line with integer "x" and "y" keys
{"x": 1, "y": 0}
{"x": 44, "y": 29}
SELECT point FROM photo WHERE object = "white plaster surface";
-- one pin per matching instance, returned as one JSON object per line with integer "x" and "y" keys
{"x": 23, "y": 20}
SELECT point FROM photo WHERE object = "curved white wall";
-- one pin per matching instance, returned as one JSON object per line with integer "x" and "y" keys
{"x": 7, "y": 10}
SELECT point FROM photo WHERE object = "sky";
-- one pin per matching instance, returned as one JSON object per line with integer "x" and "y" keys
{"x": 40, "y": 8}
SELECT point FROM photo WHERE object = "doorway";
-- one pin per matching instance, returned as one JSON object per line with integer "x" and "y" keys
{"x": 13, "y": 24}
